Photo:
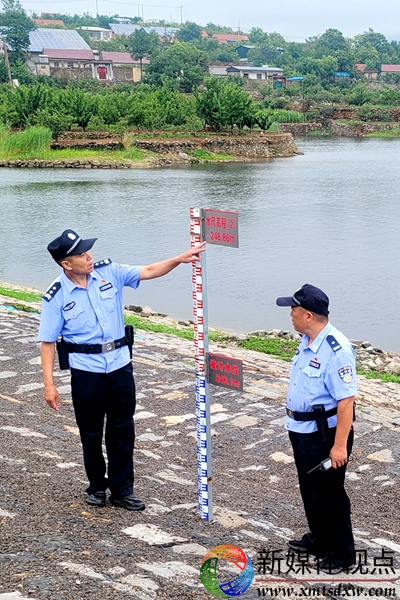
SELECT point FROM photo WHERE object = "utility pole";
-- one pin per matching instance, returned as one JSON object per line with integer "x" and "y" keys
{"x": 97, "y": 10}
{"x": 8, "y": 65}
{"x": 181, "y": 7}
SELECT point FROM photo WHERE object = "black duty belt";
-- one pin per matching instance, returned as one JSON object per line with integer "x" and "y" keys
{"x": 97, "y": 348}
{"x": 309, "y": 416}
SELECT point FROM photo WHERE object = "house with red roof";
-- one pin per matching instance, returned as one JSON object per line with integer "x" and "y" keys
{"x": 73, "y": 64}
{"x": 125, "y": 68}
{"x": 230, "y": 38}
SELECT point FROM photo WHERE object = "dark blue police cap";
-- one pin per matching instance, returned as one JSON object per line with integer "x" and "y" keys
{"x": 308, "y": 297}
{"x": 68, "y": 244}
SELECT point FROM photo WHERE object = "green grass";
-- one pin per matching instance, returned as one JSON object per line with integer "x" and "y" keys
{"x": 183, "y": 332}
{"x": 32, "y": 142}
{"x": 387, "y": 377}
{"x": 20, "y": 294}
{"x": 201, "y": 154}
{"x": 393, "y": 133}
{"x": 73, "y": 154}
{"x": 278, "y": 347}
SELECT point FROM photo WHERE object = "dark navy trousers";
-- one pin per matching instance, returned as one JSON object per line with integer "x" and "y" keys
{"x": 109, "y": 397}
{"x": 325, "y": 500}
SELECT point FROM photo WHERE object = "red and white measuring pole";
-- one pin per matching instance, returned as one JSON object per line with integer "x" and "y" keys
{"x": 220, "y": 228}
{"x": 199, "y": 291}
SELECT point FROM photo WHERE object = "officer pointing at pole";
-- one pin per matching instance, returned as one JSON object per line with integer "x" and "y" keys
{"x": 84, "y": 305}
{"x": 320, "y": 407}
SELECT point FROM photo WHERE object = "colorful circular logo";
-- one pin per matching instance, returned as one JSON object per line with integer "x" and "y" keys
{"x": 236, "y": 586}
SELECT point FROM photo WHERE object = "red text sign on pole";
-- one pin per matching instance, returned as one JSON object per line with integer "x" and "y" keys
{"x": 225, "y": 371}
{"x": 221, "y": 227}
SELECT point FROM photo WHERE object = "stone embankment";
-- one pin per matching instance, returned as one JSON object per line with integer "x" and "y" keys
{"x": 369, "y": 358}
{"x": 267, "y": 145}
{"x": 338, "y": 129}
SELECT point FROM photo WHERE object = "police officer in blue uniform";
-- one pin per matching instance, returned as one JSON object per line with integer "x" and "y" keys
{"x": 84, "y": 305}
{"x": 320, "y": 410}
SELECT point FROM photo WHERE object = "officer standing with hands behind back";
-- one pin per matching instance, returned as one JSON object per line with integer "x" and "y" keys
{"x": 84, "y": 305}
{"x": 320, "y": 408}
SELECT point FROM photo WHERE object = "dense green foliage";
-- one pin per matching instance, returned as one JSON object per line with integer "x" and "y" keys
{"x": 17, "y": 27}
{"x": 220, "y": 104}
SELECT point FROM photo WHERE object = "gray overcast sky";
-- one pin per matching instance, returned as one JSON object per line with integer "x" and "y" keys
{"x": 291, "y": 18}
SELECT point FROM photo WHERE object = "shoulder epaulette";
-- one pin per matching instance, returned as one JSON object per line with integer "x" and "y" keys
{"x": 334, "y": 344}
{"x": 102, "y": 263}
{"x": 52, "y": 291}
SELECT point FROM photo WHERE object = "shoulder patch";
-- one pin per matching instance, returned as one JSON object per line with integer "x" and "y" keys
{"x": 102, "y": 263}
{"x": 52, "y": 291}
{"x": 334, "y": 344}
{"x": 346, "y": 374}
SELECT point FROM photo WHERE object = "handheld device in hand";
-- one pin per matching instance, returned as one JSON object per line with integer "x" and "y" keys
{"x": 325, "y": 465}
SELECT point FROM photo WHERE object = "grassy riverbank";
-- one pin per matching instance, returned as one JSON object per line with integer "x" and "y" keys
{"x": 279, "y": 348}
{"x": 394, "y": 133}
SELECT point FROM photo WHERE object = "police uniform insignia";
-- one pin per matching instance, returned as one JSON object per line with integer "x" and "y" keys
{"x": 52, "y": 291}
{"x": 103, "y": 288}
{"x": 102, "y": 263}
{"x": 346, "y": 374}
{"x": 121, "y": 266}
{"x": 69, "y": 306}
{"x": 314, "y": 363}
{"x": 334, "y": 344}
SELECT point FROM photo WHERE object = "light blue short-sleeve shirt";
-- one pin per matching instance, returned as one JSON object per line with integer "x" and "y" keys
{"x": 322, "y": 373}
{"x": 90, "y": 316}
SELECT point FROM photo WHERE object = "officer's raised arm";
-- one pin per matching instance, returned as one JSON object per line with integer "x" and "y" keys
{"x": 51, "y": 394}
{"x": 163, "y": 267}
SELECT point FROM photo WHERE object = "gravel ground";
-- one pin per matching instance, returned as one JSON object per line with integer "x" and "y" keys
{"x": 54, "y": 546}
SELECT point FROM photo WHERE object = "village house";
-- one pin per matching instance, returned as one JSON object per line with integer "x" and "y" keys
{"x": 219, "y": 68}
{"x": 125, "y": 29}
{"x": 98, "y": 34}
{"x": 229, "y": 38}
{"x": 390, "y": 69}
{"x": 369, "y": 74}
{"x": 260, "y": 74}
{"x": 125, "y": 68}
{"x": 48, "y": 22}
{"x": 73, "y": 64}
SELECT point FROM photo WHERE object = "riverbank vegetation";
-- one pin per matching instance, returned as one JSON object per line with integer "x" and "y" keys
{"x": 279, "y": 348}
{"x": 325, "y": 74}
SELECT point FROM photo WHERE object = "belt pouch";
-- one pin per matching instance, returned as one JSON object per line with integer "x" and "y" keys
{"x": 62, "y": 352}
{"x": 129, "y": 335}
{"x": 322, "y": 421}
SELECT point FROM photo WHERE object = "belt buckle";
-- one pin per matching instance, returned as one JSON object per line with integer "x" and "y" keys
{"x": 107, "y": 347}
{"x": 290, "y": 413}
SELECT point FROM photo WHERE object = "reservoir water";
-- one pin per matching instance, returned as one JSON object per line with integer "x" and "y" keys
{"x": 329, "y": 217}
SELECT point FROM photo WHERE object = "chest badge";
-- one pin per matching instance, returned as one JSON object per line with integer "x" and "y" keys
{"x": 105, "y": 287}
{"x": 314, "y": 363}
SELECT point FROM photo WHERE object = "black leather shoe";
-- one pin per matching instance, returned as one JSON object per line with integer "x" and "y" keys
{"x": 96, "y": 499}
{"x": 304, "y": 545}
{"x": 129, "y": 502}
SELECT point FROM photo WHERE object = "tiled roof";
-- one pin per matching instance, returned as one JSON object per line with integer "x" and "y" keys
{"x": 262, "y": 69}
{"x": 390, "y": 68}
{"x": 49, "y": 22}
{"x": 230, "y": 37}
{"x": 68, "y": 54}
{"x": 123, "y": 58}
